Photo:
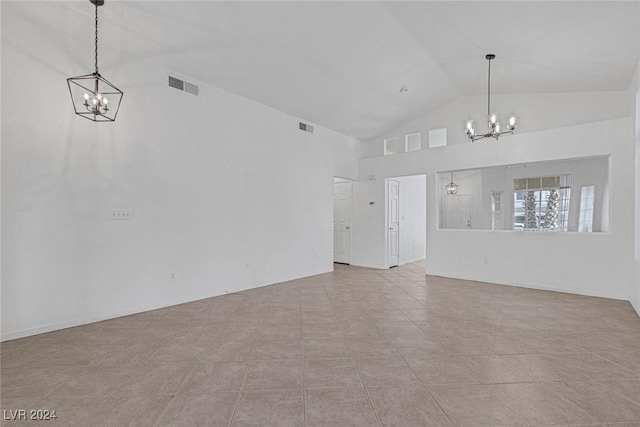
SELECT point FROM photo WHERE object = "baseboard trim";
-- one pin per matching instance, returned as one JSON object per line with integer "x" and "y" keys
{"x": 635, "y": 304}
{"x": 373, "y": 267}
{"x": 412, "y": 260}
{"x": 536, "y": 287}
{"x": 113, "y": 315}
{"x": 72, "y": 323}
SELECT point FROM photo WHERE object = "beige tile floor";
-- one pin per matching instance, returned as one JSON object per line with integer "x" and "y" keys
{"x": 352, "y": 347}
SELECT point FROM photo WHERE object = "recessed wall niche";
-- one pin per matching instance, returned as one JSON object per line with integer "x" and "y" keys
{"x": 555, "y": 196}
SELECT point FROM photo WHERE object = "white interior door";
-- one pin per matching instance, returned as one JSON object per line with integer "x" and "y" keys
{"x": 342, "y": 222}
{"x": 394, "y": 222}
{"x": 457, "y": 211}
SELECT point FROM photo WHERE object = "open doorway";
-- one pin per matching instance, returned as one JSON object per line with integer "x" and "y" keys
{"x": 342, "y": 199}
{"x": 406, "y": 218}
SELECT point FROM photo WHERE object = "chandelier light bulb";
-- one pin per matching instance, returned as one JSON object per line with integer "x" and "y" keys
{"x": 497, "y": 127}
{"x": 86, "y": 96}
{"x": 493, "y": 119}
{"x": 470, "y": 130}
{"x": 104, "y": 101}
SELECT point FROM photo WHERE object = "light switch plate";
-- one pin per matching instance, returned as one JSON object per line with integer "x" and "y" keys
{"x": 121, "y": 214}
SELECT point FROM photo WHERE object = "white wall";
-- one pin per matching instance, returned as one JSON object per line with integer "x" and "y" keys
{"x": 369, "y": 221}
{"x": 225, "y": 192}
{"x": 590, "y": 264}
{"x": 413, "y": 215}
{"x": 534, "y": 112}
{"x": 368, "y": 231}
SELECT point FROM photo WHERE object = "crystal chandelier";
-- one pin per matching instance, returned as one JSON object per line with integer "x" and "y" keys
{"x": 93, "y": 96}
{"x": 494, "y": 124}
{"x": 451, "y": 188}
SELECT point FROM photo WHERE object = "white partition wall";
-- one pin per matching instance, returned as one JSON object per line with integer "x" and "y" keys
{"x": 585, "y": 263}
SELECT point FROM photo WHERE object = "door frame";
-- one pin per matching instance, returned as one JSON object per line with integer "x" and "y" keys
{"x": 387, "y": 258}
{"x": 423, "y": 218}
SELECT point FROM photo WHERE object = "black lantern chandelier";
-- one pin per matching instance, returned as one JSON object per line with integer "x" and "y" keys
{"x": 93, "y": 96}
{"x": 494, "y": 124}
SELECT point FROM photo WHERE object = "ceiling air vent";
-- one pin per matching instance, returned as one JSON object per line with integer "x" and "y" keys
{"x": 305, "y": 127}
{"x": 183, "y": 85}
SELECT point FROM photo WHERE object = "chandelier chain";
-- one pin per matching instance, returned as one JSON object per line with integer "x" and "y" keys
{"x": 96, "y": 43}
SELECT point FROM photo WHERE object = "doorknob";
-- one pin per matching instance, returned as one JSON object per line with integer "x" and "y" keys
{"x": 347, "y": 227}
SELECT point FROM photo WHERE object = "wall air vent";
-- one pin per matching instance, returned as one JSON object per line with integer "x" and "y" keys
{"x": 185, "y": 86}
{"x": 191, "y": 88}
{"x": 176, "y": 83}
{"x": 305, "y": 127}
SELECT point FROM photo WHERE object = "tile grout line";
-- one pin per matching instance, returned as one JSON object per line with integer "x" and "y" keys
{"x": 47, "y": 395}
{"x": 191, "y": 372}
{"x": 479, "y": 383}
{"x": 186, "y": 379}
{"x": 249, "y": 364}
{"x": 355, "y": 366}
{"x": 351, "y": 287}
{"x": 553, "y": 392}
{"x": 375, "y": 412}
{"x": 423, "y": 384}
{"x": 304, "y": 391}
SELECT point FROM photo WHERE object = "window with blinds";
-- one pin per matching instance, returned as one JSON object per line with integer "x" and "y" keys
{"x": 541, "y": 203}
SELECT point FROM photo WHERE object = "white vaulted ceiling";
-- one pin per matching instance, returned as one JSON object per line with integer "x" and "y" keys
{"x": 342, "y": 64}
